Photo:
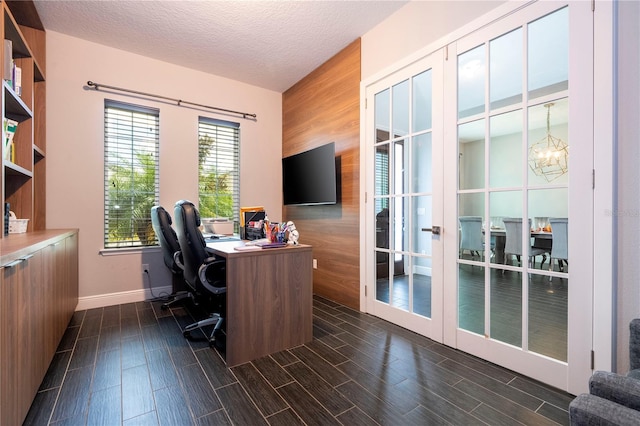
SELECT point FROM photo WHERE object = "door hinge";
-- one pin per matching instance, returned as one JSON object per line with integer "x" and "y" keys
{"x": 593, "y": 360}
{"x": 365, "y": 198}
{"x": 446, "y": 53}
{"x": 365, "y": 103}
{"x": 593, "y": 5}
{"x": 365, "y": 291}
{"x": 593, "y": 179}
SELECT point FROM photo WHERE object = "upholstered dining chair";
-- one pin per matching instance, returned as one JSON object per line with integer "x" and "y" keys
{"x": 513, "y": 244}
{"x": 471, "y": 237}
{"x": 560, "y": 245}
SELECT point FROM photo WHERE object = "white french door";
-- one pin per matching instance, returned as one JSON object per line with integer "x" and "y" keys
{"x": 403, "y": 214}
{"x": 480, "y": 132}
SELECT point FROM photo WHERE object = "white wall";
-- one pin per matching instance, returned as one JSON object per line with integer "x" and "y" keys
{"x": 628, "y": 208}
{"x": 75, "y": 140}
{"x": 414, "y": 26}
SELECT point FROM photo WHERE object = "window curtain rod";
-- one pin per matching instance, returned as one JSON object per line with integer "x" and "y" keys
{"x": 179, "y": 102}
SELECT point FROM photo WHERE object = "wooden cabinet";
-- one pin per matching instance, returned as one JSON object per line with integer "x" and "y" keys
{"x": 38, "y": 295}
{"x": 22, "y": 176}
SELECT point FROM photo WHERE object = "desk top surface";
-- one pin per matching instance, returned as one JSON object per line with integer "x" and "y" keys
{"x": 226, "y": 248}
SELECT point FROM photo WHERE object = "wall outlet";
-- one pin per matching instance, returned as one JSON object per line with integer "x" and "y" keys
{"x": 145, "y": 268}
{"x": 315, "y": 263}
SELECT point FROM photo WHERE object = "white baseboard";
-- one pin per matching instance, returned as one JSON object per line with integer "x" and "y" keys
{"x": 102, "y": 300}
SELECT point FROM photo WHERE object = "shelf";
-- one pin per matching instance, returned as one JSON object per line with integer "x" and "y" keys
{"x": 15, "y": 108}
{"x": 12, "y": 169}
{"x": 38, "y": 153}
{"x": 20, "y": 49}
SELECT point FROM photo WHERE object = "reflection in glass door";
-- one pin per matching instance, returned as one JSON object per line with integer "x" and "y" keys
{"x": 404, "y": 198}
{"x": 513, "y": 190}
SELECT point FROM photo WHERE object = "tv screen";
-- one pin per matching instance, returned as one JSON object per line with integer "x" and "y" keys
{"x": 310, "y": 177}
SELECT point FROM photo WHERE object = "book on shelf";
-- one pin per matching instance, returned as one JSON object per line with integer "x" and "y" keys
{"x": 10, "y": 127}
{"x": 17, "y": 80}
{"x": 8, "y": 60}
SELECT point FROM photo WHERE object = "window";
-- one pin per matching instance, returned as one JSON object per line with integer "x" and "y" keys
{"x": 131, "y": 145}
{"x": 219, "y": 169}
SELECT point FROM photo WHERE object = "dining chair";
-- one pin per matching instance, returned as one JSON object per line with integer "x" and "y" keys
{"x": 471, "y": 238}
{"x": 513, "y": 244}
{"x": 560, "y": 245}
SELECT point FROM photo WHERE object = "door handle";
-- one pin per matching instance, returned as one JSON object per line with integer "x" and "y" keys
{"x": 435, "y": 230}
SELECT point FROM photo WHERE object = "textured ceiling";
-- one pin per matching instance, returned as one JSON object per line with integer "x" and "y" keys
{"x": 270, "y": 44}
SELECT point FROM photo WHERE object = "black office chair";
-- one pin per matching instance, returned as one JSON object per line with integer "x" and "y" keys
{"x": 161, "y": 222}
{"x": 205, "y": 274}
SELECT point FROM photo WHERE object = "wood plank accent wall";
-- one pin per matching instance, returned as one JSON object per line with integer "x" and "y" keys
{"x": 324, "y": 107}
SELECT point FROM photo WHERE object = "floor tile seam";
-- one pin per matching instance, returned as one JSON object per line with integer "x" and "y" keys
{"x": 485, "y": 375}
{"x": 543, "y": 401}
{"x": 424, "y": 407}
{"x": 315, "y": 399}
{"x": 543, "y": 387}
{"x": 490, "y": 392}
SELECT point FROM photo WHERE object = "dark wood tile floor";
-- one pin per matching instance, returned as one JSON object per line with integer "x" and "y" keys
{"x": 130, "y": 365}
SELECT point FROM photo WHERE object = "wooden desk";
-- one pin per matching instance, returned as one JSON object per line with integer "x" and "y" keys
{"x": 269, "y": 299}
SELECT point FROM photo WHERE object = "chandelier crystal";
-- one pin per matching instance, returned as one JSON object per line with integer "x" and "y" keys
{"x": 549, "y": 156}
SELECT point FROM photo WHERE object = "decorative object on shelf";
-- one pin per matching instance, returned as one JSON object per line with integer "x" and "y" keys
{"x": 6, "y": 218}
{"x": 292, "y": 234}
{"x": 17, "y": 226}
{"x": 549, "y": 157}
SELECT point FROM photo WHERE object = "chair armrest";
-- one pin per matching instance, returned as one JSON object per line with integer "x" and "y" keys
{"x": 616, "y": 388}
{"x": 213, "y": 275}
{"x": 634, "y": 344}
{"x": 588, "y": 409}
{"x": 177, "y": 258}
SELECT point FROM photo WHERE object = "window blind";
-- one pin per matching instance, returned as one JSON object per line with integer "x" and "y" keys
{"x": 219, "y": 168}
{"x": 131, "y": 147}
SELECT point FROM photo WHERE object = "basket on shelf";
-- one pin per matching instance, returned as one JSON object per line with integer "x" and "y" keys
{"x": 17, "y": 226}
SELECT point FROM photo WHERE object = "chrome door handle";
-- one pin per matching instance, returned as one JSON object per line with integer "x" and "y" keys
{"x": 435, "y": 230}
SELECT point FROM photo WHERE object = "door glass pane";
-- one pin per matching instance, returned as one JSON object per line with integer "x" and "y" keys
{"x": 471, "y": 298}
{"x": 548, "y": 153}
{"x": 548, "y": 316}
{"x": 382, "y": 171}
{"x": 471, "y": 155}
{"x": 401, "y": 282}
{"x": 505, "y": 150}
{"x": 421, "y": 163}
{"x": 422, "y": 286}
{"x": 471, "y": 82}
{"x": 471, "y": 240}
{"x": 382, "y": 108}
{"x": 505, "y": 69}
{"x": 506, "y": 204}
{"x": 506, "y": 307}
{"x": 400, "y": 107}
{"x": 548, "y": 47}
{"x": 383, "y": 284}
{"x": 422, "y": 100}
{"x": 422, "y": 208}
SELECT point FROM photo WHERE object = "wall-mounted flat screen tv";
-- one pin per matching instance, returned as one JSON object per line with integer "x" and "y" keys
{"x": 309, "y": 177}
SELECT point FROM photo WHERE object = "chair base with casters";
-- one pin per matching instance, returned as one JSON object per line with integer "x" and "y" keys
{"x": 215, "y": 337}
{"x": 177, "y": 297}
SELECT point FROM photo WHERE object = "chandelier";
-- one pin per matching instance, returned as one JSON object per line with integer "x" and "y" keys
{"x": 549, "y": 156}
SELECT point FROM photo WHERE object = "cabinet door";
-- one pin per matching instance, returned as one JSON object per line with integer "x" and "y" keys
{"x": 12, "y": 343}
